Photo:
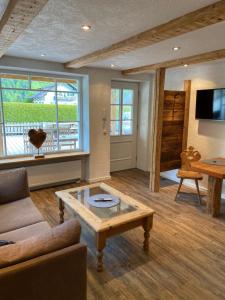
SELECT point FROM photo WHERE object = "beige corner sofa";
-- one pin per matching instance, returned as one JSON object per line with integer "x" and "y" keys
{"x": 44, "y": 263}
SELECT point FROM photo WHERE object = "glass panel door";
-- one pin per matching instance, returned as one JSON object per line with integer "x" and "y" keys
{"x": 124, "y": 100}
{"x": 122, "y": 111}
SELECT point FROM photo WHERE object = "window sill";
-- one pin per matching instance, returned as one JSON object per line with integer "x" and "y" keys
{"x": 10, "y": 163}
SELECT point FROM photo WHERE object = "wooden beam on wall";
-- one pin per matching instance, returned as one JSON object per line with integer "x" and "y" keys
{"x": 187, "y": 89}
{"x": 197, "y": 19}
{"x": 17, "y": 16}
{"x": 190, "y": 60}
{"x": 156, "y": 130}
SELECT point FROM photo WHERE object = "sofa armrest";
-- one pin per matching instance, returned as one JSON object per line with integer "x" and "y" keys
{"x": 54, "y": 276}
{"x": 13, "y": 185}
{"x": 59, "y": 237}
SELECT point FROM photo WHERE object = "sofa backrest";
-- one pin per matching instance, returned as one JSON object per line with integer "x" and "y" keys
{"x": 13, "y": 185}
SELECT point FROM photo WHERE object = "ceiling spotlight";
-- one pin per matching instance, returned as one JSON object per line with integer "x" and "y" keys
{"x": 176, "y": 48}
{"x": 112, "y": 65}
{"x": 86, "y": 27}
{"x": 185, "y": 65}
{"x": 42, "y": 54}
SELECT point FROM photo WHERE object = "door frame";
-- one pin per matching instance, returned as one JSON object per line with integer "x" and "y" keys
{"x": 127, "y": 138}
{"x": 156, "y": 126}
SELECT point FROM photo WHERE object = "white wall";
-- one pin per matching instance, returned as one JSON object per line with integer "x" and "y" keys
{"x": 100, "y": 93}
{"x": 53, "y": 173}
{"x": 207, "y": 136}
{"x": 96, "y": 91}
{"x": 100, "y": 97}
{"x": 144, "y": 112}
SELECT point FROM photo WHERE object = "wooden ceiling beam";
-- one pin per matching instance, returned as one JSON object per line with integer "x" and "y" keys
{"x": 197, "y": 19}
{"x": 17, "y": 16}
{"x": 190, "y": 60}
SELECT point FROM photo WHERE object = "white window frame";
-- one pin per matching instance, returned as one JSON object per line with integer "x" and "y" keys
{"x": 53, "y": 76}
{"x": 121, "y": 112}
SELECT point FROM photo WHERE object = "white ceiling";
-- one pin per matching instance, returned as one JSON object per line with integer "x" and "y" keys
{"x": 204, "y": 40}
{"x": 56, "y": 31}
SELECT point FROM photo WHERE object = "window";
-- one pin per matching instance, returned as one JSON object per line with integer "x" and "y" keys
{"x": 122, "y": 111}
{"x": 48, "y": 103}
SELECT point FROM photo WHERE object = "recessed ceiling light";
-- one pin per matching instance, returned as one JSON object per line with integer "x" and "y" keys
{"x": 112, "y": 65}
{"x": 176, "y": 48}
{"x": 86, "y": 27}
{"x": 42, "y": 54}
{"x": 185, "y": 65}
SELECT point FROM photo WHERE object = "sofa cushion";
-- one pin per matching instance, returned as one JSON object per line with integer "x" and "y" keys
{"x": 18, "y": 214}
{"x": 54, "y": 239}
{"x": 25, "y": 232}
{"x": 13, "y": 185}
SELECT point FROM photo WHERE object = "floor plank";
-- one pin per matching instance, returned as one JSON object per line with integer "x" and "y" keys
{"x": 187, "y": 250}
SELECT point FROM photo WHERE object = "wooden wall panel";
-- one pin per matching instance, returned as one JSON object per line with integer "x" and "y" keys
{"x": 172, "y": 130}
{"x": 170, "y": 114}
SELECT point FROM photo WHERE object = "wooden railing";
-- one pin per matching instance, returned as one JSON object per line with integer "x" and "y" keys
{"x": 67, "y": 139}
{"x": 21, "y": 128}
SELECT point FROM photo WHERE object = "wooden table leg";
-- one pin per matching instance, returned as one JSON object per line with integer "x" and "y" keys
{"x": 214, "y": 195}
{"x": 100, "y": 243}
{"x": 61, "y": 211}
{"x": 147, "y": 225}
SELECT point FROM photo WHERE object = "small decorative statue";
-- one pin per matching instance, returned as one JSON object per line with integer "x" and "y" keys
{"x": 37, "y": 138}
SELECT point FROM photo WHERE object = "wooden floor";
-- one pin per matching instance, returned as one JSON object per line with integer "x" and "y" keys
{"x": 187, "y": 257}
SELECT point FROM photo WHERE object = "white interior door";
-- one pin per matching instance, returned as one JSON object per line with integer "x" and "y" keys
{"x": 123, "y": 141}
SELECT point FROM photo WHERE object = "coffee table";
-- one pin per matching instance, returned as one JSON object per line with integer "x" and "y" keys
{"x": 106, "y": 222}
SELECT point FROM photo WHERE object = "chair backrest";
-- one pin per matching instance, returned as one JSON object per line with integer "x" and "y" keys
{"x": 188, "y": 156}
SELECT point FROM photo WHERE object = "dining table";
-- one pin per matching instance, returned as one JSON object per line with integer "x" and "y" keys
{"x": 215, "y": 169}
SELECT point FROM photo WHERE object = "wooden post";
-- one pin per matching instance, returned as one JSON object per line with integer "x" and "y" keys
{"x": 187, "y": 89}
{"x": 156, "y": 130}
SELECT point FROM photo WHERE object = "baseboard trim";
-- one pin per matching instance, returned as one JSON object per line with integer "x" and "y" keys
{"x": 188, "y": 184}
{"x": 93, "y": 180}
{"x": 53, "y": 184}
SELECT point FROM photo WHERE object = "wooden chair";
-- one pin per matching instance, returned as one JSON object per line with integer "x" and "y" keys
{"x": 187, "y": 157}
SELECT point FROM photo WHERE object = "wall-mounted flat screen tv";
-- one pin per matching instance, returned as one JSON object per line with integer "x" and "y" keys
{"x": 210, "y": 104}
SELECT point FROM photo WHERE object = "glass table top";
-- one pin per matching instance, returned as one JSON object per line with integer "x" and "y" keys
{"x": 103, "y": 213}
